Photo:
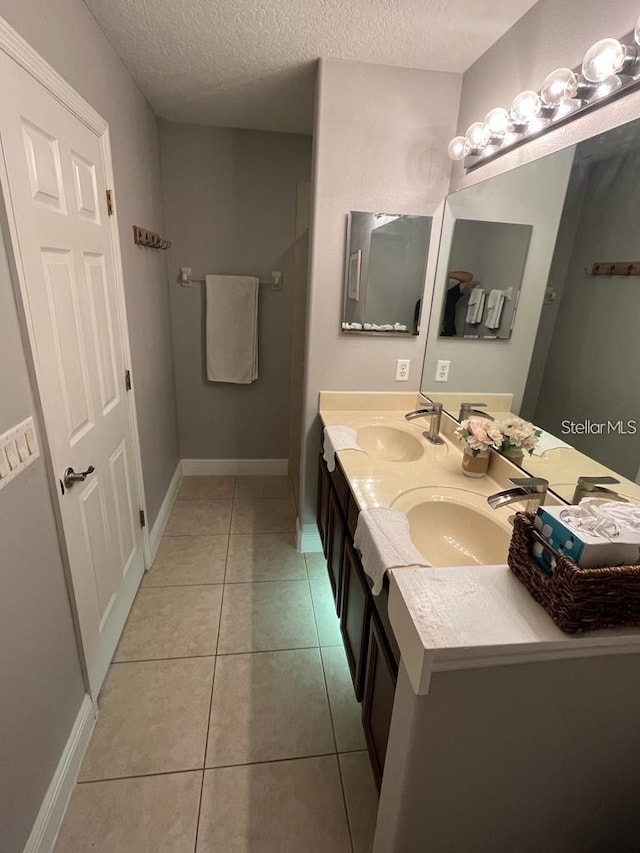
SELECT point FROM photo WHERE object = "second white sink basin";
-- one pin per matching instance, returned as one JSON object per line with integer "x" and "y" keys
{"x": 390, "y": 443}
{"x": 454, "y": 527}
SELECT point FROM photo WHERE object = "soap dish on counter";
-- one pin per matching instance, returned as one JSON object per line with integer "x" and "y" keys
{"x": 576, "y": 599}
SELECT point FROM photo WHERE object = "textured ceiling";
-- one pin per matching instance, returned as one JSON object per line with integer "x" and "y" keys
{"x": 249, "y": 63}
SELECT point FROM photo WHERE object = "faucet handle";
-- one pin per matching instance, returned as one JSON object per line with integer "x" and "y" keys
{"x": 534, "y": 484}
{"x": 467, "y": 408}
{"x": 586, "y": 482}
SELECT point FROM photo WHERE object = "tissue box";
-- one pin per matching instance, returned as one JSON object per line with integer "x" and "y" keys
{"x": 587, "y": 551}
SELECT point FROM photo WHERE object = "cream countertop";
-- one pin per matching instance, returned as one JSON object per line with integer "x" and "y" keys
{"x": 462, "y": 617}
{"x": 561, "y": 467}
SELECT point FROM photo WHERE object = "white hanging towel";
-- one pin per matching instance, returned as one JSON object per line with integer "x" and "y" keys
{"x": 475, "y": 306}
{"x": 232, "y": 328}
{"x": 382, "y": 537}
{"x": 495, "y": 304}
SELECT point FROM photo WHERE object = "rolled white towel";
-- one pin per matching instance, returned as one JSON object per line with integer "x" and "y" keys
{"x": 607, "y": 519}
{"x": 338, "y": 438}
{"x": 548, "y": 441}
{"x": 383, "y": 538}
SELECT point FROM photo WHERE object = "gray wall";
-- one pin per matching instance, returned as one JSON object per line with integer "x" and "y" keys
{"x": 67, "y": 36}
{"x": 592, "y": 366}
{"x": 231, "y": 208}
{"x": 380, "y": 143}
{"x": 41, "y": 683}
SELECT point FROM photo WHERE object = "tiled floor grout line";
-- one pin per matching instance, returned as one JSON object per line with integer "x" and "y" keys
{"x": 217, "y": 767}
{"x": 213, "y": 680}
{"x": 333, "y": 728}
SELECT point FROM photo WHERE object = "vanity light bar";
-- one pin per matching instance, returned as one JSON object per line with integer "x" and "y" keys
{"x": 610, "y": 68}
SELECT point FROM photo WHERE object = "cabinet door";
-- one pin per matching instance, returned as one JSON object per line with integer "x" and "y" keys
{"x": 356, "y": 612}
{"x": 335, "y": 546}
{"x": 322, "y": 508}
{"x": 379, "y": 691}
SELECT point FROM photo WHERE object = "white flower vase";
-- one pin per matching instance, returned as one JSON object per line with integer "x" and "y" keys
{"x": 475, "y": 463}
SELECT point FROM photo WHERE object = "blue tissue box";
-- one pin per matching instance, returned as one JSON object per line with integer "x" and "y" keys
{"x": 586, "y": 550}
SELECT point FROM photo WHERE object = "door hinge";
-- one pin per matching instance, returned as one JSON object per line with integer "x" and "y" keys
{"x": 110, "y": 202}
{"x": 143, "y": 520}
{"x": 127, "y": 380}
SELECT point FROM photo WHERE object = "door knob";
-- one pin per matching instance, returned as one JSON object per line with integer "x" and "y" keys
{"x": 70, "y": 477}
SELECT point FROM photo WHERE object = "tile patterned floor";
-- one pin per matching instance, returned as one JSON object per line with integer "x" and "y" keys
{"x": 227, "y": 721}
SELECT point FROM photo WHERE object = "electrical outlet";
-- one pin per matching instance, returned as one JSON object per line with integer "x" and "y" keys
{"x": 402, "y": 369}
{"x": 442, "y": 371}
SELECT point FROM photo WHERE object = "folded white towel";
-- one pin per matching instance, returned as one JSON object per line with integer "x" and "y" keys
{"x": 338, "y": 438}
{"x": 383, "y": 539}
{"x": 475, "y": 306}
{"x": 548, "y": 441}
{"x": 607, "y": 519}
{"x": 232, "y": 328}
{"x": 495, "y": 304}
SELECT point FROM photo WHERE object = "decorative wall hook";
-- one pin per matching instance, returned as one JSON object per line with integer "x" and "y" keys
{"x": 149, "y": 239}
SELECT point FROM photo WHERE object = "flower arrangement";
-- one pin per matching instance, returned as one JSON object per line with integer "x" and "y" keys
{"x": 512, "y": 433}
{"x": 480, "y": 434}
{"x": 518, "y": 434}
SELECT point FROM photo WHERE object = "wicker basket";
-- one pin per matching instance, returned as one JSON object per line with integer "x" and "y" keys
{"x": 576, "y": 599}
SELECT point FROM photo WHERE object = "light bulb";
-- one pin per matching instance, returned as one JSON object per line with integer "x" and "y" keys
{"x": 559, "y": 86}
{"x": 526, "y": 106}
{"x": 605, "y": 58}
{"x": 606, "y": 88}
{"x": 478, "y": 135}
{"x": 459, "y": 148}
{"x": 498, "y": 121}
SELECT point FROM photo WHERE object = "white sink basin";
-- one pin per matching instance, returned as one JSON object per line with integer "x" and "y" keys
{"x": 390, "y": 443}
{"x": 456, "y": 527}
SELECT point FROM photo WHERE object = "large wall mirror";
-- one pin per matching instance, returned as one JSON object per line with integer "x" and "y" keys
{"x": 571, "y": 364}
{"x": 385, "y": 269}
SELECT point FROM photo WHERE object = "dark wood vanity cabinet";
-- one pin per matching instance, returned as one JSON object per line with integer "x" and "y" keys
{"x": 355, "y": 615}
{"x": 371, "y": 648}
{"x": 381, "y": 674}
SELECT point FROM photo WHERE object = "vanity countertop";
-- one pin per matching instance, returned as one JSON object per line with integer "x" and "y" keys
{"x": 462, "y": 617}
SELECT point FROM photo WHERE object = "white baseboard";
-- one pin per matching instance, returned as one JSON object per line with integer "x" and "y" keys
{"x": 45, "y": 829}
{"x": 165, "y": 511}
{"x": 307, "y": 538}
{"x": 234, "y": 467}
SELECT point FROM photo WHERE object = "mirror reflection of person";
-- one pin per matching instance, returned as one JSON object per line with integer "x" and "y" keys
{"x": 462, "y": 279}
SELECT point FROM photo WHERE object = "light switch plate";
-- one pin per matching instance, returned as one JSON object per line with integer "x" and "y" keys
{"x": 18, "y": 449}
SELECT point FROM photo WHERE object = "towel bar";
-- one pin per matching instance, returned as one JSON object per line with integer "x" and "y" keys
{"x": 186, "y": 279}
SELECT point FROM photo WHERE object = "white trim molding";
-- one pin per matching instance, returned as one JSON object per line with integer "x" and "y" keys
{"x": 234, "y": 467}
{"x": 308, "y": 538}
{"x": 164, "y": 512}
{"x": 45, "y": 829}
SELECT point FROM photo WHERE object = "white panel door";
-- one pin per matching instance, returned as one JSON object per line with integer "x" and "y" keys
{"x": 57, "y": 203}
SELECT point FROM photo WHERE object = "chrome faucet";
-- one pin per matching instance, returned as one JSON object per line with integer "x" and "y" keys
{"x": 469, "y": 409}
{"x": 434, "y": 413}
{"x": 533, "y": 490}
{"x": 590, "y": 487}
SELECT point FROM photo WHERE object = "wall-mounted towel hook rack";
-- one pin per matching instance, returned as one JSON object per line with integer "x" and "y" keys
{"x": 186, "y": 279}
{"x": 613, "y": 268}
{"x": 149, "y": 239}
